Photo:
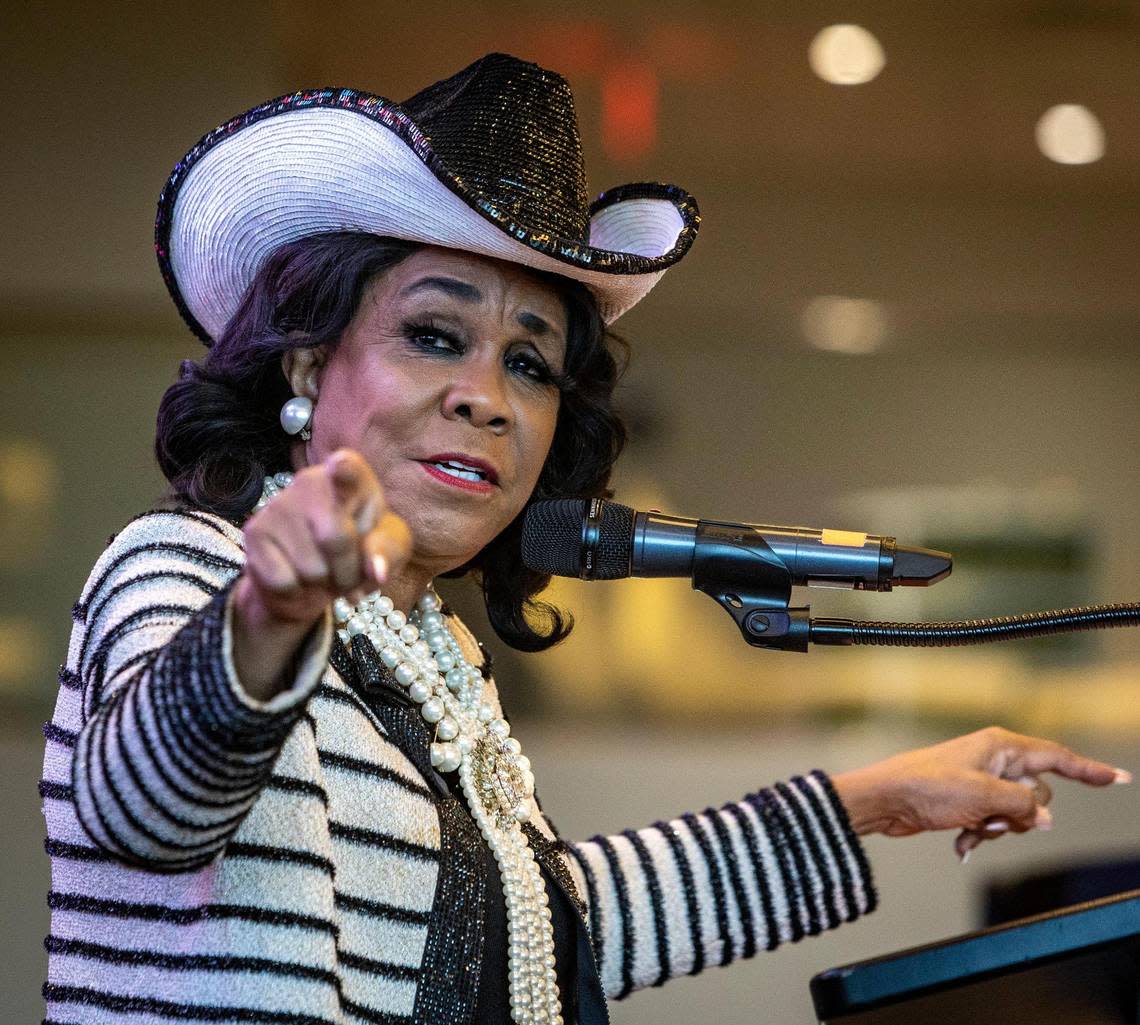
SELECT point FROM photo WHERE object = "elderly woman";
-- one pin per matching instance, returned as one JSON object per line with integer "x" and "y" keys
{"x": 278, "y": 785}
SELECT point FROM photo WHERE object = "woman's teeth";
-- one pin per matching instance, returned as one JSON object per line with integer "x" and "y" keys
{"x": 460, "y": 471}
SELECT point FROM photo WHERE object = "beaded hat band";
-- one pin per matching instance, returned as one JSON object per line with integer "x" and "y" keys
{"x": 488, "y": 161}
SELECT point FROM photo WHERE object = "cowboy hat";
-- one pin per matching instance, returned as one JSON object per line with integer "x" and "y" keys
{"x": 488, "y": 161}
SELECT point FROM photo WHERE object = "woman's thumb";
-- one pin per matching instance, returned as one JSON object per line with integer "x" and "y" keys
{"x": 1014, "y": 802}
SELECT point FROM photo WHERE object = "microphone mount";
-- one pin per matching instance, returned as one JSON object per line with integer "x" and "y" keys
{"x": 755, "y": 590}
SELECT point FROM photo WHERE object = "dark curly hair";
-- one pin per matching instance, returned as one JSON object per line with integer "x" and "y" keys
{"x": 218, "y": 433}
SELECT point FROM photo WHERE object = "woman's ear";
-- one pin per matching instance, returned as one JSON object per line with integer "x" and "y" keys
{"x": 302, "y": 367}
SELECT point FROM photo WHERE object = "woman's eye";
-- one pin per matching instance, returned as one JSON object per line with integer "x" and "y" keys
{"x": 434, "y": 338}
{"x": 529, "y": 364}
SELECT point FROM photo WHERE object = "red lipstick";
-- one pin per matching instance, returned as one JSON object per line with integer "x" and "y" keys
{"x": 462, "y": 471}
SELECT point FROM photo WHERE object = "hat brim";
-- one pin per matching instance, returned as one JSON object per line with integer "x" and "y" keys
{"x": 340, "y": 160}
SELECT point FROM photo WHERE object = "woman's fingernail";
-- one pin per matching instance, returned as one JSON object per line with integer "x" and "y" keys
{"x": 379, "y": 568}
{"x": 1044, "y": 819}
{"x": 1121, "y": 776}
{"x": 366, "y": 517}
{"x": 996, "y": 827}
{"x": 965, "y": 855}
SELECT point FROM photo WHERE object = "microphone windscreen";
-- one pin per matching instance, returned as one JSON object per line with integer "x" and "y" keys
{"x": 552, "y": 538}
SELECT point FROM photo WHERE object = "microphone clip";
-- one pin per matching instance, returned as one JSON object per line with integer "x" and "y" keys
{"x": 735, "y": 566}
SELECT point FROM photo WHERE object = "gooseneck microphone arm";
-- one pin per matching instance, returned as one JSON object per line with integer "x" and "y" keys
{"x": 974, "y": 631}
{"x": 750, "y": 569}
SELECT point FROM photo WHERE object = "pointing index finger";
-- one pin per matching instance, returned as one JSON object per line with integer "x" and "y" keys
{"x": 344, "y": 469}
{"x": 349, "y": 475}
{"x": 1043, "y": 756}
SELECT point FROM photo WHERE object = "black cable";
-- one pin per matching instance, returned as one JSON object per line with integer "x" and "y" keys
{"x": 975, "y": 631}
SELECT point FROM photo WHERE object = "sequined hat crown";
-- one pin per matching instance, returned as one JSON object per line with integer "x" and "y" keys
{"x": 488, "y": 160}
{"x": 502, "y": 116}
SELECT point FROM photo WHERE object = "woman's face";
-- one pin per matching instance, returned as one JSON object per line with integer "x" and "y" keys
{"x": 443, "y": 381}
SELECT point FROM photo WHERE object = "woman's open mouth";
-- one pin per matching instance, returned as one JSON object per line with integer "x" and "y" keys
{"x": 462, "y": 472}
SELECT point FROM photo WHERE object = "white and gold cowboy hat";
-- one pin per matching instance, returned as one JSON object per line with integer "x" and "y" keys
{"x": 488, "y": 161}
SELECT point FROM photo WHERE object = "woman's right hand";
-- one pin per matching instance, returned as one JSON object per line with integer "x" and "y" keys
{"x": 985, "y": 784}
{"x": 329, "y": 534}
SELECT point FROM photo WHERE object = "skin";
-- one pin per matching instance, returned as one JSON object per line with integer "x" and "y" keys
{"x": 448, "y": 353}
{"x": 985, "y": 784}
{"x": 455, "y": 353}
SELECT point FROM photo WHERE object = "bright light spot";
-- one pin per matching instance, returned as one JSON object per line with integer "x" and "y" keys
{"x": 20, "y": 639}
{"x": 1070, "y": 134}
{"x": 846, "y": 55}
{"x": 837, "y": 323}
{"x": 629, "y": 110}
{"x": 28, "y": 474}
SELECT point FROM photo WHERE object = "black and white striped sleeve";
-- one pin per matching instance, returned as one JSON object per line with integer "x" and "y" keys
{"x": 706, "y": 889}
{"x": 172, "y": 752}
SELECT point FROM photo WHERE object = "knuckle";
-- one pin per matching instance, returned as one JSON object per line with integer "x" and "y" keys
{"x": 258, "y": 524}
{"x": 313, "y": 576}
{"x": 260, "y": 558}
{"x": 279, "y": 584}
{"x": 334, "y": 535}
{"x": 303, "y": 481}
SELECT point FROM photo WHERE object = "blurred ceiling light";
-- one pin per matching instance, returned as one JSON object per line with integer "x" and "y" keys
{"x": 629, "y": 110}
{"x": 574, "y": 45}
{"x": 20, "y": 639}
{"x": 29, "y": 476}
{"x": 846, "y": 55}
{"x": 1070, "y": 134}
{"x": 838, "y": 323}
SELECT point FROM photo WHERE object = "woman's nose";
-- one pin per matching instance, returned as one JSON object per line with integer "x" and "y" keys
{"x": 477, "y": 395}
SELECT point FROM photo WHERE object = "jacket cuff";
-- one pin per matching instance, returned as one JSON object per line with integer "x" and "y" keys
{"x": 305, "y": 670}
{"x": 847, "y": 865}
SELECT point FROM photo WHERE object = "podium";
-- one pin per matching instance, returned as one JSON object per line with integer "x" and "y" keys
{"x": 1076, "y": 966}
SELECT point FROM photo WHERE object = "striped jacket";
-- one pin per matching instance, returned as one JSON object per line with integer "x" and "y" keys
{"x": 216, "y": 858}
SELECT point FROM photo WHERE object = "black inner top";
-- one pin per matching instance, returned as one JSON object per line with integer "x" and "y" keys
{"x": 579, "y": 987}
{"x": 494, "y": 1005}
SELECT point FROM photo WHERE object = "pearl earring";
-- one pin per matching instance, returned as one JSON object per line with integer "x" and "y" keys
{"x": 296, "y": 415}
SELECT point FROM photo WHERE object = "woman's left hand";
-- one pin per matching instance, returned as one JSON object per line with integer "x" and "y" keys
{"x": 985, "y": 783}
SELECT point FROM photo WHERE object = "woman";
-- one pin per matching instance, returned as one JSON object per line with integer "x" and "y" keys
{"x": 278, "y": 783}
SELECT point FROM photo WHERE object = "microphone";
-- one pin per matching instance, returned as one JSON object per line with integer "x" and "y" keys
{"x": 598, "y": 540}
{"x": 749, "y": 570}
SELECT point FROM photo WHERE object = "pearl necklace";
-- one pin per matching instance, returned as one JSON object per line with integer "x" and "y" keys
{"x": 494, "y": 774}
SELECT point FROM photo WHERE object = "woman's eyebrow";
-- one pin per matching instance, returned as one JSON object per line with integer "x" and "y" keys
{"x": 535, "y": 324}
{"x": 450, "y": 286}
{"x": 467, "y": 292}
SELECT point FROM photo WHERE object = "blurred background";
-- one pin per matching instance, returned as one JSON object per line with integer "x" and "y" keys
{"x": 912, "y": 310}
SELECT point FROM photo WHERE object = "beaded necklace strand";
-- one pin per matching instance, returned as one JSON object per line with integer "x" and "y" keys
{"x": 495, "y": 776}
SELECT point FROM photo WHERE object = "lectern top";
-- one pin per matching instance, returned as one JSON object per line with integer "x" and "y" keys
{"x": 960, "y": 960}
